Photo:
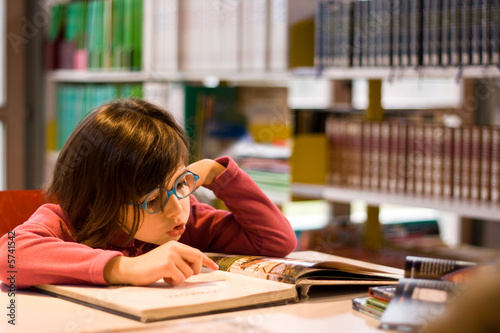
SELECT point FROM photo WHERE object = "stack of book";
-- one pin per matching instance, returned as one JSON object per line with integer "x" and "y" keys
{"x": 375, "y": 304}
{"x": 407, "y": 33}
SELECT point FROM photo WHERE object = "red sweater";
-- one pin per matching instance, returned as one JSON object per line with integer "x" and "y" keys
{"x": 45, "y": 251}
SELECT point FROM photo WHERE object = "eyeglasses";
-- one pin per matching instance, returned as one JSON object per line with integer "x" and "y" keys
{"x": 156, "y": 200}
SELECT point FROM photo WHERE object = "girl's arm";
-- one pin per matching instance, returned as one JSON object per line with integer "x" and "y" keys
{"x": 253, "y": 225}
{"x": 45, "y": 252}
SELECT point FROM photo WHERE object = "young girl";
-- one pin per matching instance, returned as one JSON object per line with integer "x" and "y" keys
{"x": 125, "y": 213}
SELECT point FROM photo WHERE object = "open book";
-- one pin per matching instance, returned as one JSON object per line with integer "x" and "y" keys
{"x": 251, "y": 281}
{"x": 428, "y": 287}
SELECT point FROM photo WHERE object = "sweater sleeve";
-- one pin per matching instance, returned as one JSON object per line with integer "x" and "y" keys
{"x": 44, "y": 252}
{"x": 253, "y": 225}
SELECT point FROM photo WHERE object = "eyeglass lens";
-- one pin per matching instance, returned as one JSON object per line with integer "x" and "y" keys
{"x": 183, "y": 187}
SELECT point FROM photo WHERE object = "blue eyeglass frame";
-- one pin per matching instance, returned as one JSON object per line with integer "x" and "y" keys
{"x": 172, "y": 191}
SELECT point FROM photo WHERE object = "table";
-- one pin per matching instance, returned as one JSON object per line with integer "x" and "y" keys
{"x": 328, "y": 309}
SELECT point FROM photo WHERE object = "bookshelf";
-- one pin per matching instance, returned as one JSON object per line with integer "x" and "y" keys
{"x": 252, "y": 73}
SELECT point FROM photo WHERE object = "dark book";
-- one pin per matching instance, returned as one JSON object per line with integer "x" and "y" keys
{"x": 437, "y": 156}
{"x": 435, "y": 33}
{"x": 475, "y": 163}
{"x": 457, "y": 163}
{"x": 476, "y": 32}
{"x": 448, "y": 161}
{"x": 404, "y": 30}
{"x": 495, "y": 164}
{"x": 495, "y": 33}
{"x": 426, "y": 32}
{"x": 445, "y": 32}
{"x": 485, "y": 31}
{"x": 486, "y": 175}
{"x": 357, "y": 34}
{"x": 454, "y": 33}
{"x": 465, "y": 34}
{"x": 415, "y": 38}
{"x": 466, "y": 153}
{"x": 396, "y": 35}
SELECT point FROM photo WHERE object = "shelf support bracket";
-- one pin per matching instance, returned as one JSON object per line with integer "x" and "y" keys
{"x": 372, "y": 235}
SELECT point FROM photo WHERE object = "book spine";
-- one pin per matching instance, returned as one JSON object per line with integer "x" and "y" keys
{"x": 476, "y": 32}
{"x": 485, "y": 187}
{"x": 394, "y": 143}
{"x": 485, "y": 32}
{"x": 465, "y": 35}
{"x": 365, "y": 32}
{"x": 356, "y": 31}
{"x": 495, "y": 33}
{"x": 403, "y": 162}
{"x": 333, "y": 135}
{"x": 278, "y": 36}
{"x": 435, "y": 33}
{"x": 495, "y": 164}
{"x": 366, "y": 154}
{"x": 334, "y": 31}
{"x": 432, "y": 268}
{"x": 428, "y": 156}
{"x": 410, "y": 160}
{"x": 395, "y": 36}
{"x": 374, "y": 26}
{"x": 375, "y": 156}
{"x": 454, "y": 35}
{"x": 438, "y": 140}
{"x": 475, "y": 164}
{"x": 457, "y": 163}
{"x": 353, "y": 167}
{"x": 419, "y": 152}
{"x": 415, "y": 32}
{"x": 445, "y": 32}
{"x": 346, "y": 18}
{"x": 404, "y": 32}
{"x": 426, "y": 32}
{"x": 384, "y": 156}
{"x": 466, "y": 162}
{"x": 387, "y": 18}
{"x": 448, "y": 162}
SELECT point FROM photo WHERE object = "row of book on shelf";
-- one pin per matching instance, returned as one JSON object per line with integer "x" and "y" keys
{"x": 251, "y": 124}
{"x": 415, "y": 158}
{"x": 174, "y": 35}
{"x": 407, "y": 33}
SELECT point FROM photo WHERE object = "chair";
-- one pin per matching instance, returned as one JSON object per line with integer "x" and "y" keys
{"x": 17, "y": 206}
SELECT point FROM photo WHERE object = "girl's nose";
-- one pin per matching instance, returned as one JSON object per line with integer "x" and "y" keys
{"x": 173, "y": 206}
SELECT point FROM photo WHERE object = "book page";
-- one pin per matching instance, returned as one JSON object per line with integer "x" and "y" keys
{"x": 209, "y": 291}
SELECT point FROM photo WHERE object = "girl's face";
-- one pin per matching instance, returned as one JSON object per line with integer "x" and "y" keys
{"x": 166, "y": 225}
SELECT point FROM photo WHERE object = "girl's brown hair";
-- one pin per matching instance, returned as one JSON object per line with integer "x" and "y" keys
{"x": 116, "y": 155}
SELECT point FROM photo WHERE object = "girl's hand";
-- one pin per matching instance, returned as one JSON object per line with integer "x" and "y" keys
{"x": 173, "y": 262}
{"x": 207, "y": 169}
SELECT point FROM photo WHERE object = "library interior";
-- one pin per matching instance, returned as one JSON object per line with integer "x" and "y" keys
{"x": 373, "y": 125}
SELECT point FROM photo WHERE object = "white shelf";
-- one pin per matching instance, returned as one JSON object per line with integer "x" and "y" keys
{"x": 262, "y": 78}
{"x": 423, "y": 72}
{"x": 465, "y": 208}
{"x": 77, "y": 76}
